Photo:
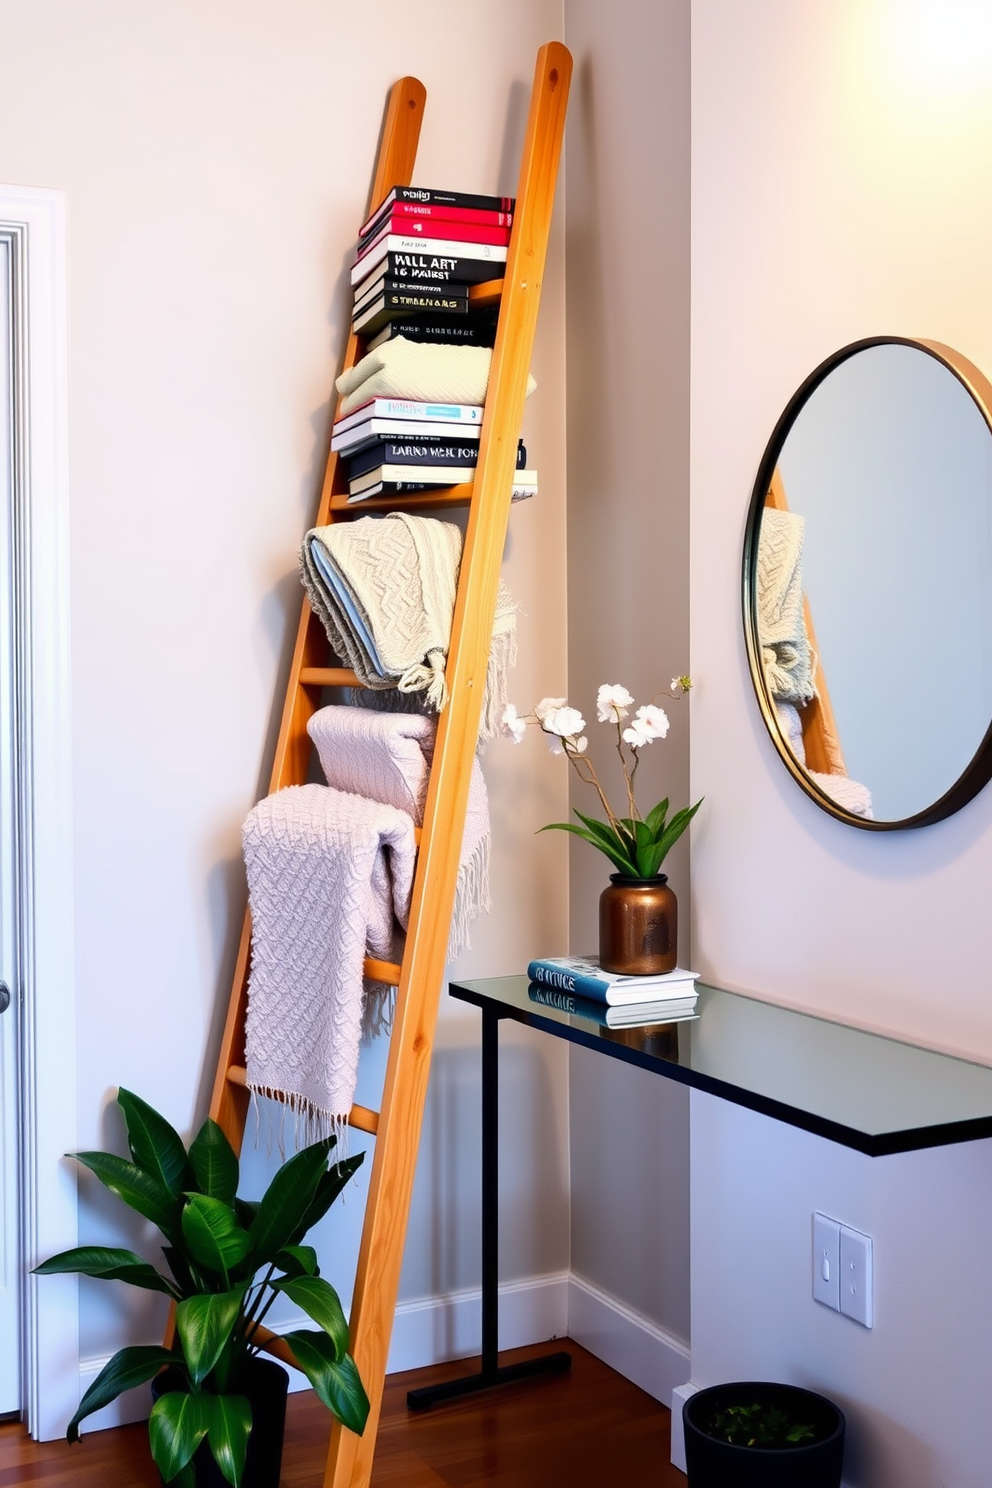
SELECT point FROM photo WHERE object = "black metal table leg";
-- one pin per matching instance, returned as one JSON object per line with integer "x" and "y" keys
{"x": 491, "y": 1372}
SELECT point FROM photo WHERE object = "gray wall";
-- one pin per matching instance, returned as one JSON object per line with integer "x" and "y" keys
{"x": 627, "y": 245}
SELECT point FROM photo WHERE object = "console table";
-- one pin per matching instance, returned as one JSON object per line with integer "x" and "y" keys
{"x": 868, "y": 1092}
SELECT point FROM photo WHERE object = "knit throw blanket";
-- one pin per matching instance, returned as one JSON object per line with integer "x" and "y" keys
{"x": 781, "y": 625}
{"x": 329, "y": 875}
{"x": 422, "y": 372}
{"x": 384, "y": 588}
{"x": 387, "y": 756}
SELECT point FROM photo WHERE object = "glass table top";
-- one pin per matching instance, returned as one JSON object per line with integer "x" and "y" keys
{"x": 865, "y": 1091}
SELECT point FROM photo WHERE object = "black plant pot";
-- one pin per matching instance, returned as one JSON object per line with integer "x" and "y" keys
{"x": 265, "y": 1384}
{"x": 711, "y": 1463}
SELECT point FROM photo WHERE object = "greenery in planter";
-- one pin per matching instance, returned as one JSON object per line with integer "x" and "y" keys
{"x": 758, "y": 1426}
{"x": 228, "y": 1260}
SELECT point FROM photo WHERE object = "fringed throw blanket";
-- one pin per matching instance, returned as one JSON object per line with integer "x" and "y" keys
{"x": 329, "y": 874}
{"x": 425, "y": 373}
{"x": 384, "y": 588}
{"x": 387, "y": 756}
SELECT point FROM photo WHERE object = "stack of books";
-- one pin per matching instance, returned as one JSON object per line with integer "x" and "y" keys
{"x": 607, "y": 996}
{"x": 392, "y": 446}
{"x": 417, "y": 255}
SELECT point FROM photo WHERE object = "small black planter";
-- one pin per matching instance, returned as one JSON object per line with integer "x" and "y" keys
{"x": 266, "y": 1385}
{"x": 711, "y": 1463}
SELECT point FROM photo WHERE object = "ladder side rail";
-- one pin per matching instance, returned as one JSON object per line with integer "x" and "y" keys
{"x": 394, "y": 167}
{"x": 408, "y": 1065}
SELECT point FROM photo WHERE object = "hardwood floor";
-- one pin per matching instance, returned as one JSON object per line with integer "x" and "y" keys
{"x": 588, "y": 1429}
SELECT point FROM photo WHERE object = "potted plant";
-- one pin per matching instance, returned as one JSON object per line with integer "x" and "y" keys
{"x": 638, "y": 913}
{"x": 758, "y": 1434}
{"x": 228, "y": 1260}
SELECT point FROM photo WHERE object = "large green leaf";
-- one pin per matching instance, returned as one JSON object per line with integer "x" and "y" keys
{"x": 128, "y": 1367}
{"x": 621, "y": 862}
{"x": 214, "y": 1163}
{"x": 138, "y": 1189}
{"x": 287, "y": 1200}
{"x": 177, "y": 1425}
{"x": 155, "y": 1145}
{"x": 337, "y": 1384}
{"x": 329, "y": 1186}
{"x": 655, "y": 818}
{"x": 229, "y": 1418}
{"x": 318, "y": 1299}
{"x": 676, "y": 827}
{"x": 213, "y": 1233}
{"x": 298, "y": 1260}
{"x": 205, "y": 1324}
{"x": 109, "y": 1265}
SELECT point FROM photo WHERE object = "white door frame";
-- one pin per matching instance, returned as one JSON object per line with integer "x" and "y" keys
{"x": 32, "y": 221}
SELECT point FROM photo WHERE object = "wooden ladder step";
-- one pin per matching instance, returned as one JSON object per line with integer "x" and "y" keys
{"x": 315, "y": 676}
{"x": 362, "y": 1118}
{"x": 441, "y": 496}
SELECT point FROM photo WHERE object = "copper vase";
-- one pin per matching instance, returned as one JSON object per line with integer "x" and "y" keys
{"x": 638, "y": 926}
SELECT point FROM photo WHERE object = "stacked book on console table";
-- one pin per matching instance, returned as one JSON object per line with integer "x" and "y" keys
{"x": 394, "y": 445}
{"x": 672, "y": 995}
{"x": 419, "y": 252}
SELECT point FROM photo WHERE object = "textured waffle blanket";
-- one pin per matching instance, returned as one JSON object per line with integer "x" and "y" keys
{"x": 424, "y": 373}
{"x": 384, "y": 588}
{"x": 781, "y": 624}
{"x": 387, "y": 756}
{"x": 329, "y": 875}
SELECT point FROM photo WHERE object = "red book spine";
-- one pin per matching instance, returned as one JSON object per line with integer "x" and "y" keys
{"x": 451, "y": 214}
{"x": 446, "y": 231}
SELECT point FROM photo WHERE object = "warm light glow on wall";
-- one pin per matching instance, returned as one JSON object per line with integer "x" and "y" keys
{"x": 943, "y": 43}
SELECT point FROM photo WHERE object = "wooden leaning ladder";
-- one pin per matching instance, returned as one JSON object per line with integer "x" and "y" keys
{"x": 418, "y": 978}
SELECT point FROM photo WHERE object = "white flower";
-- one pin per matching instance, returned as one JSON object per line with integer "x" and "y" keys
{"x": 652, "y": 721}
{"x": 563, "y": 721}
{"x": 546, "y": 706}
{"x": 636, "y": 734}
{"x": 612, "y": 702}
{"x": 579, "y": 746}
{"x": 515, "y": 726}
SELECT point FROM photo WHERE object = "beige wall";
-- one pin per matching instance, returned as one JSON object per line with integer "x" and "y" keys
{"x": 627, "y": 369}
{"x": 216, "y": 159}
{"x": 840, "y": 166}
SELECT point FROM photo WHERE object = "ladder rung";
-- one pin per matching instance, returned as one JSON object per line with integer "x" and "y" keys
{"x": 482, "y": 295}
{"x": 441, "y": 496}
{"x": 383, "y": 971}
{"x": 329, "y": 677}
{"x": 362, "y": 1118}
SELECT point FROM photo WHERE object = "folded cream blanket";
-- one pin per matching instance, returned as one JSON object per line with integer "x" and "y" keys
{"x": 781, "y": 624}
{"x": 329, "y": 879}
{"x": 386, "y": 756}
{"x": 423, "y": 372}
{"x": 384, "y": 588}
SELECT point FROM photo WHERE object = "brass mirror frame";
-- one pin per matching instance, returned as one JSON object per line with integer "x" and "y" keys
{"x": 978, "y": 772}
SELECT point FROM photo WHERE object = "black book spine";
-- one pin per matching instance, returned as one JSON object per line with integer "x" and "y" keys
{"x": 437, "y": 199}
{"x": 420, "y": 452}
{"x": 428, "y": 268}
{"x": 472, "y": 331}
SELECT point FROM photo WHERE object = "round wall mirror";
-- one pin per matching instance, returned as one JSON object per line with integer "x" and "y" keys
{"x": 868, "y": 583}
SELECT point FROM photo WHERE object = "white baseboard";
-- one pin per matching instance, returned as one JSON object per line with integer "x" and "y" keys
{"x": 426, "y": 1330}
{"x": 429, "y": 1330}
{"x": 627, "y": 1341}
{"x": 680, "y": 1395}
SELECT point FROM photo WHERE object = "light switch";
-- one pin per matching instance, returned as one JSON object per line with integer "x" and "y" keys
{"x": 826, "y": 1261}
{"x": 855, "y": 1276}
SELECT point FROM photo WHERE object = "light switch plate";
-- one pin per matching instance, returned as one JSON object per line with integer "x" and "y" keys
{"x": 826, "y": 1261}
{"x": 855, "y": 1276}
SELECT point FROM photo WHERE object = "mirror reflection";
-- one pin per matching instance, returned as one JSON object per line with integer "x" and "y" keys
{"x": 868, "y": 580}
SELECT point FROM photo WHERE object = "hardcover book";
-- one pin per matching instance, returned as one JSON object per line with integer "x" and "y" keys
{"x": 430, "y": 451}
{"x": 582, "y": 974}
{"x": 437, "y": 247}
{"x": 418, "y": 199}
{"x": 404, "y": 408}
{"x": 393, "y": 302}
{"x": 401, "y": 482}
{"x": 430, "y": 268}
{"x": 477, "y": 328}
{"x": 635, "y": 1015}
{"x": 430, "y": 292}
